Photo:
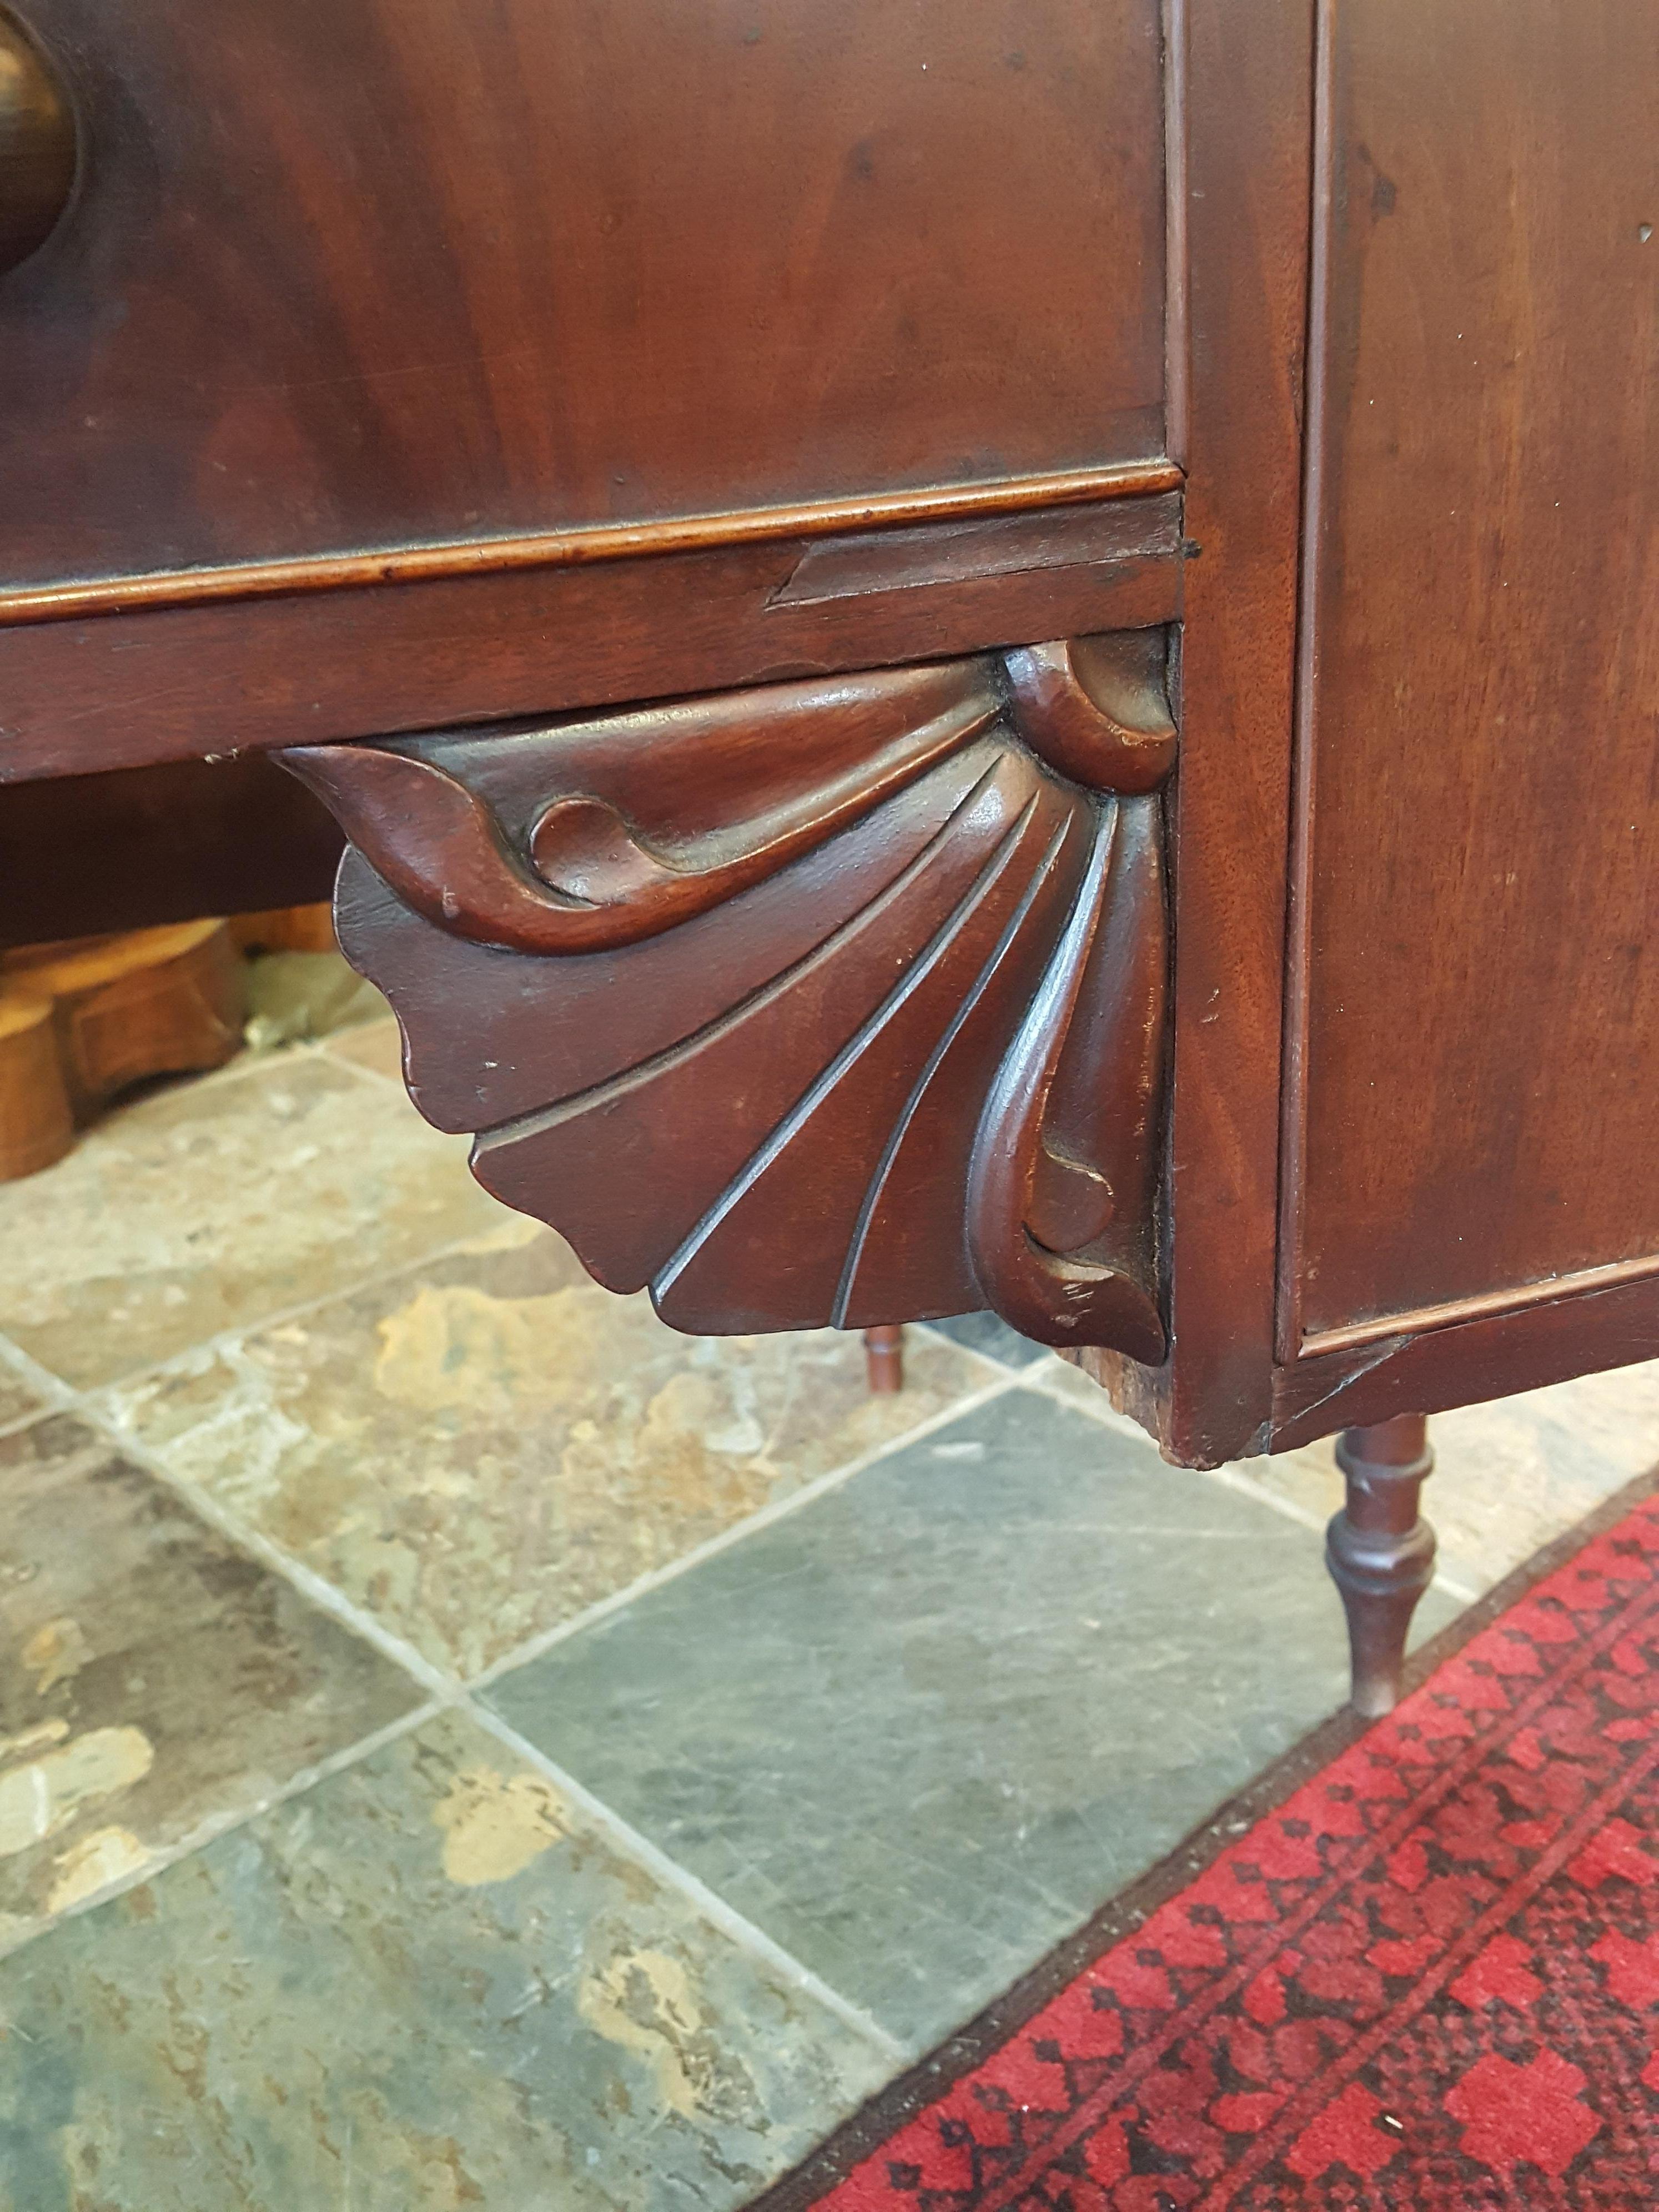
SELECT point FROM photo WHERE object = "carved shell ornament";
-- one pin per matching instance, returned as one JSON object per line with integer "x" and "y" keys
{"x": 832, "y": 1002}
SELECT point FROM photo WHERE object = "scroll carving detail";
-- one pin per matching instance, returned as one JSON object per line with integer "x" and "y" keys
{"x": 839, "y": 1001}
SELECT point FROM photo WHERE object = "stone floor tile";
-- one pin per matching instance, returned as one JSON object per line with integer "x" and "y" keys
{"x": 1510, "y": 1475}
{"x": 991, "y": 1336}
{"x": 377, "y": 1045}
{"x": 211, "y": 1206}
{"x": 293, "y": 996}
{"x": 920, "y": 1728}
{"x": 153, "y": 1680}
{"x": 490, "y": 1444}
{"x": 426, "y": 1984}
{"x": 18, "y": 1399}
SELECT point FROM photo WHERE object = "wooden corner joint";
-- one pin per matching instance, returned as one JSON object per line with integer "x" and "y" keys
{"x": 832, "y": 1002}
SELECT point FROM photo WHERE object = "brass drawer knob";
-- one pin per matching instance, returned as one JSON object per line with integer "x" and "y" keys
{"x": 36, "y": 145}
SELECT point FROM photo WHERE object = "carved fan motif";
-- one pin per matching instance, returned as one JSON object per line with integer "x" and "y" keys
{"x": 829, "y": 1002}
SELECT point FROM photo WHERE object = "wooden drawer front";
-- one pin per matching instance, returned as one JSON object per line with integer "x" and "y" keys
{"x": 353, "y": 273}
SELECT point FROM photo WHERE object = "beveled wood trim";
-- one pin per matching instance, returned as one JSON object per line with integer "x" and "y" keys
{"x": 1293, "y": 1132}
{"x": 337, "y": 572}
{"x": 1581, "y": 1329}
{"x": 1245, "y": 125}
{"x": 1176, "y": 339}
{"x": 309, "y": 667}
{"x": 1484, "y": 1306}
{"x": 1245, "y": 94}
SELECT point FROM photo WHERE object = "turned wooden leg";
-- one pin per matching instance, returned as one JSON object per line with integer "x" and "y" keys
{"x": 883, "y": 1359}
{"x": 1380, "y": 1550}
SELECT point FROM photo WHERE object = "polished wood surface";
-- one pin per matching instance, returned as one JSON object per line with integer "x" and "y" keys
{"x": 174, "y": 682}
{"x": 348, "y": 274}
{"x": 1490, "y": 1356}
{"x": 533, "y": 419}
{"x": 36, "y": 1124}
{"x": 1038, "y": 495}
{"x": 803, "y": 1006}
{"x": 1477, "y": 1041}
{"x": 1380, "y": 1551}
{"x": 36, "y": 145}
{"x": 883, "y": 1359}
{"x": 1247, "y": 76}
{"x": 152, "y": 1002}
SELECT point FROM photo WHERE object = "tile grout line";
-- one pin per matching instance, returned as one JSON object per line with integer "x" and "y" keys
{"x": 29, "y": 1369}
{"x": 210, "y": 1830}
{"x": 55, "y": 1396}
{"x": 941, "y": 1336}
{"x": 764, "y": 1517}
{"x": 1048, "y": 1379}
{"x": 713, "y": 1907}
{"x": 1108, "y": 1417}
{"x": 477, "y": 1241}
{"x": 317, "y": 1588}
{"x": 327, "y": 1595}
{"x": 1449, "y": 1586}
{"x": 279, "y": 1317}
{"x": 446, "y": 1693}
{"x": 62, "y": 1397}
{"x": 321, "y": 1591}
{"x": 237, "y": 1071}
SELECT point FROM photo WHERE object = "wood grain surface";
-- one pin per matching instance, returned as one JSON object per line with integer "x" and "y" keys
{"x": 360, "y": 273}
{"x": 174, "y": 683}
{"x": 1478, "y": 1054}
{"x": 1246, "y": 82}
{"x": 816, "y": 1003}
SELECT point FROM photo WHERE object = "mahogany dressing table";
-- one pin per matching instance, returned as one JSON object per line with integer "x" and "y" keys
{"x": 1004, "y": 654}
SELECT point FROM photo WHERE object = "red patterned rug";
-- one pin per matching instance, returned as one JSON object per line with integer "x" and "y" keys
{"x": 1428, "y": 1979}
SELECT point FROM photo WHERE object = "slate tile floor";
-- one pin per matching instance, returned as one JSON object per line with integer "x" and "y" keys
{"x": 463, "y": 1745}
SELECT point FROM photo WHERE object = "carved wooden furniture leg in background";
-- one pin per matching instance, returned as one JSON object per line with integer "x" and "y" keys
{"x": 883, "y": 1359}
{"x": 1380, "y": 1551}
{"x": 80, "y": 1022}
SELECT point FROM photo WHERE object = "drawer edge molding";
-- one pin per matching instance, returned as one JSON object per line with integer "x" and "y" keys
{"x": 76, "y": 598}
{"x": 167, "y": 683}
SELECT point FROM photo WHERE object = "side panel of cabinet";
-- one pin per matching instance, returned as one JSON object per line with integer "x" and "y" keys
{"x": 1244, "y": 77}
{"x": 348, "y": 274}
{"x": 1475, "y": 1028}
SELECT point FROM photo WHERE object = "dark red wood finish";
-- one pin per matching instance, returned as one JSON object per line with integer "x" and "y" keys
{"x": 1244, "y": 189}
{"x": 172, "y": 683}
{"x": 1493, "y": 324}
{"x": 810, "y": 1003}
{"x": 409, "y": 386}
{"x": 1380, "y": 1551}
{"x": 348, "y": 273}
{"x": 883, "y": 1359}
{"x": 85, "y": 855}
{"x": 1471, "y": 1184}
